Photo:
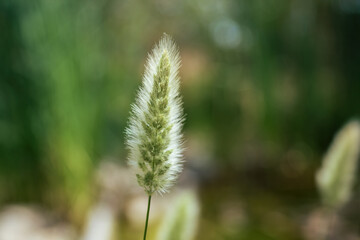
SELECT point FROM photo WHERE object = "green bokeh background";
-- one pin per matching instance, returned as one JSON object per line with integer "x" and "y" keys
{"x": 265, "y": 85}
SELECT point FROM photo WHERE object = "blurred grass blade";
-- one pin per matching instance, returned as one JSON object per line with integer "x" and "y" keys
{"x": 336, "y": 177}
{"x": 101, "y": 222}
{"x": 180, "y": 222}
{"x": 64, "y": 50}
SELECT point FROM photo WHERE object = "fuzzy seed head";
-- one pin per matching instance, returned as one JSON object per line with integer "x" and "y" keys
{"x": 154, "y": 133}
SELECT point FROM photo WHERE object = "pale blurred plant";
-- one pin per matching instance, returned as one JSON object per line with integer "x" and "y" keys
{"x": 336, "y": 177}
{"x": 154, "y": 132}
{"x": 180, "y": 222}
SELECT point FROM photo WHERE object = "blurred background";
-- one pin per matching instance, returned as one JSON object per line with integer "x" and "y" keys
{"x": 265, "y": 84}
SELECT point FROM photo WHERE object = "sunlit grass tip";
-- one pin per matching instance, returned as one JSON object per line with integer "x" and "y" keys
{"x": 154, "y": 133}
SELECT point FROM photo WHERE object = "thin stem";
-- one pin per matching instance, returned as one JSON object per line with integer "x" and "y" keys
{"x": 147, "y": 217}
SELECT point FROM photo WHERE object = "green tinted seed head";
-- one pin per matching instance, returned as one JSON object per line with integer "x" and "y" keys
{"x": 154, "y": 132}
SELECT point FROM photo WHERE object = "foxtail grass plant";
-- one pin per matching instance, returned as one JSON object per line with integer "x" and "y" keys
{"x": 181, "y": 221}
{"x": 154, "y": 134}
{"x": 336, "y": 177}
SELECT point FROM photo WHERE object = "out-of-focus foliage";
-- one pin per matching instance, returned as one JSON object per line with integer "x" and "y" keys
{"x": 266, "y": 84}
{"x": 181, "y": 219}
{"x": 63, "y": 48}
{"x": 336, "y": 177}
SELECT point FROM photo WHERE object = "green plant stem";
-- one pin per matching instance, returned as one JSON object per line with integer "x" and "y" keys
{"x": 147, "y": 217}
